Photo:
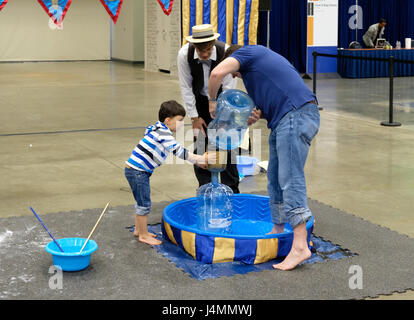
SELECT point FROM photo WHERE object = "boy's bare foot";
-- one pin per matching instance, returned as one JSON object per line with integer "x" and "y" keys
{"x": 141, "y": 231}
{"x": 149, "y": 239}
{"x": 277, "y": 228}
{"x": 294, "y": 258}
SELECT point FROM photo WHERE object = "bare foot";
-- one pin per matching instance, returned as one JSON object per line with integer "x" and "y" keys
{"x": 294, "y": 258}
{"x": 277, "y": 228}
{"x": 149, "y": 239}
{"x": 136, "y": 234}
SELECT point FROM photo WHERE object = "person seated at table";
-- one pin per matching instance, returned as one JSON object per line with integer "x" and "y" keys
{"x": 374, "y": 32}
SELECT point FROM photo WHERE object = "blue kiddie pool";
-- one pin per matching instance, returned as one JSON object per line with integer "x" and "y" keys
{"x": 71, "y": 259}
{"x": 247, "y": 241}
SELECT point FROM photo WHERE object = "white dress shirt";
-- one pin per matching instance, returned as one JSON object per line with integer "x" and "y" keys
{"x": 186, "y": 80}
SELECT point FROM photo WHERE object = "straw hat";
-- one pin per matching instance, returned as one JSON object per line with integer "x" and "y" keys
{"x": 202, "y": 33}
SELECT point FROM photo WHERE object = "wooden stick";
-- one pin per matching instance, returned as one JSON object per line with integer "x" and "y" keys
{"x": 95, "y": 226}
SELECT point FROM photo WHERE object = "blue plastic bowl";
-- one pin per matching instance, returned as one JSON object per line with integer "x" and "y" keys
{"x": 246, "y": 165}
{"x": 71, "y": 259}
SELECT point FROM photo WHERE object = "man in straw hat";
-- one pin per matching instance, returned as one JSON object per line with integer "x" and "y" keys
{"x": 196, "y": 60}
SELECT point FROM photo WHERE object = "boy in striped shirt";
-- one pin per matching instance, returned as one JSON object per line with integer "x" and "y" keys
{"x": 149, "y": 154}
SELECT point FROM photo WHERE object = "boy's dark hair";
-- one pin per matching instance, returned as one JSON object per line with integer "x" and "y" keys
{"x": 382, "y": 20}
{"x": 170, "y": 109}
{"x": 231, "y": 49}
{"x": 204, "y": 45}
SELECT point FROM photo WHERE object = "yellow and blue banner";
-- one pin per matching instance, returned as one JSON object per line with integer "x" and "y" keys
{"x": 2, "y": 4}
{"x": 113, "y": 7}
{"x": 235, "y": 20}
{"x": 166, "y": 6}
{"x": 56, "y": 9}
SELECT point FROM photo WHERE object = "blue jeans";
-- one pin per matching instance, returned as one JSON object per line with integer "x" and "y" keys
{"x": 289, "y": 145}
{"x": 140, "y": 186}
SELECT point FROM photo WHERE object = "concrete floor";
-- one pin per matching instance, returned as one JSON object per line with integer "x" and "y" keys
{"x": 67, "y": 128}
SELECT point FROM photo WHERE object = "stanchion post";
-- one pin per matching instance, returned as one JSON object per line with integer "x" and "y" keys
{"x": 315, "y": 60}
{"x": 390, "y": 122}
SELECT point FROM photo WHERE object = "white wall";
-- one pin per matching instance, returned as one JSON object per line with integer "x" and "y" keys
{"x": 128, "y": 32}
{"x": 162, "y": 37}
{"x": 25, "y": 34}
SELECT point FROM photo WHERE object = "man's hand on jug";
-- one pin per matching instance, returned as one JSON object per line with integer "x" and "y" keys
{"x": 212, "y": 108}
{"x": 254, "y": 117}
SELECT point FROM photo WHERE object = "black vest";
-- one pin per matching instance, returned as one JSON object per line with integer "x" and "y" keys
{"x": 197, "y": 68}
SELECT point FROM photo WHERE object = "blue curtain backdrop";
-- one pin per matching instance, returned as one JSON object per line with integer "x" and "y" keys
{"x": 398, "y": 13}
{"x": 288, "y": 30}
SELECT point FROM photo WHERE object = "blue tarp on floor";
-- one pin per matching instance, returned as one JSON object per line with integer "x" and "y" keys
{"x": 322, "y": 251}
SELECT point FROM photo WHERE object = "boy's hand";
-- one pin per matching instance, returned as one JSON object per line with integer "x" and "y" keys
{"x": 206, "y": 158}
{"x": 202, "y": 166}
{"x": 211, "y": 157}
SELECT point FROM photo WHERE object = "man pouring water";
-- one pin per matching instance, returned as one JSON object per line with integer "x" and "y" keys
{"x": 291, "y": 111}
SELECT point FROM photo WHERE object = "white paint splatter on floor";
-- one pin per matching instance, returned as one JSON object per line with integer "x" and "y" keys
{"x": 5, "y": 236}
{"x": 26, "y": 278}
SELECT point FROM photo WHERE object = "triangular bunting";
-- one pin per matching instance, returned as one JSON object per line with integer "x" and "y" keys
{"x": 113, "y": 7}
{"x": 2, "y": 4}
{"x": 56, "y": 9}
{"x": 166, "y": 6}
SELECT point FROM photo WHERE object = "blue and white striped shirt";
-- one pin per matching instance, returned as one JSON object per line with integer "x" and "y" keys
{"x": 154, "y": 148}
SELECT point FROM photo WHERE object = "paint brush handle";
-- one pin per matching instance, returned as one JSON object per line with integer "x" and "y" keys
{"x": 94, "y": 227}
{"x": 41, "y": 222}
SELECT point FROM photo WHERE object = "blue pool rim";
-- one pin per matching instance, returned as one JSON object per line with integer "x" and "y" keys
{"x": 91, "y": 247}
{"x": 168, "y": 219}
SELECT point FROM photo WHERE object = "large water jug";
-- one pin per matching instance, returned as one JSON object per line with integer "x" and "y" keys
{"x": 227, "y": 129}
{"x": 214, "y": 209}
